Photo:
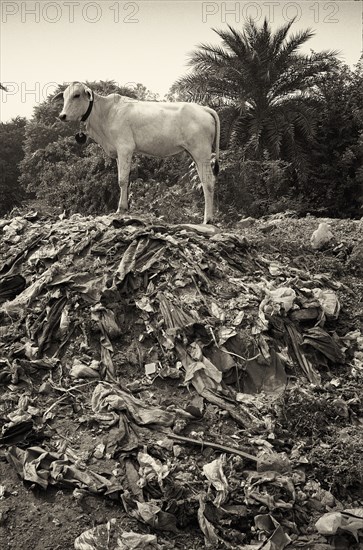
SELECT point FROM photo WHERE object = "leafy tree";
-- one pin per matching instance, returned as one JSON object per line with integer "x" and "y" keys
{"x": 261, "y": 85}
{"x": 11, "y": 153}
{"x": 336, "y": 175}
{"x": 144, "y": 94}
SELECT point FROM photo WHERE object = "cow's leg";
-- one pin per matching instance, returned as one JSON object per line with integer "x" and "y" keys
{"x": 205, "y": 173}
{"x": 123, "y": 167}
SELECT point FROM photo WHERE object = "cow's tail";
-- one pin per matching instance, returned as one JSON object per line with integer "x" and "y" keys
{"x": 215, "y": 158}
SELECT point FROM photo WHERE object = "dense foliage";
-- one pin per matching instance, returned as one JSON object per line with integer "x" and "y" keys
{"x": 11, "y": 153}
{"x": 291, "y": 123}
{"x": 336, "y": 166}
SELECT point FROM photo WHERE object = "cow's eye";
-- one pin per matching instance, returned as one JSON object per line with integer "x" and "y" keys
{"x": 76, "y": 96}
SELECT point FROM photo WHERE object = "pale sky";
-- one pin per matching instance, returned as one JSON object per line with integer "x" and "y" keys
{"x": 47, "y": 42}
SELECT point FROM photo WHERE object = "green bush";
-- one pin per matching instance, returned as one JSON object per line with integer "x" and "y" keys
{"x": 255, "y": 188}
{"x": 72, "y": 178}
{"x": 11, "y": 153}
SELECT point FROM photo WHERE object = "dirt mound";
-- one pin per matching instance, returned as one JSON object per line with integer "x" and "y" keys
{"x": 174, "y": 387}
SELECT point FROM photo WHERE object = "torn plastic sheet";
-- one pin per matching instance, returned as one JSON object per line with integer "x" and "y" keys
{"x": 320, "y": 340}
{"x": 22, "y": 300}
{"x": 151, "y": 514}
{"x": 46, "y": 252}
{"x": 281, "y": 487}
{"x": 108, "y": 399}
{"x": 328, "y": 301}
{"x": 268, "y": 376}
{"x": 45, "y": 468}
{"x": 11, "y": 286}
{"x": 215, "y": 475}
{"x": 106, "y": 320}
{"x": 109, "y": 329}
{"x": 211, "y": 539}
{"x": 174, "y": 316}
{"x": 203, "y": 375}
{"x": 51, "y": 324}
{"x": 151, "y": 469}
{"x": 89, "y": 286}
{"x": 141, "y": 254}
{"x": 296, "y": 340}
{"x": 111, "y": 536}
{"x": 279, "y": 539}
{"x": 241, "y": 414}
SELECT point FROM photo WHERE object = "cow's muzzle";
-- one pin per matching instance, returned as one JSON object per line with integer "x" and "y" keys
{"x": 62, "y": 117}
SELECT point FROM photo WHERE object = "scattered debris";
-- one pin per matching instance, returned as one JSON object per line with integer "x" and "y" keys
{"x": 201, "y": 386}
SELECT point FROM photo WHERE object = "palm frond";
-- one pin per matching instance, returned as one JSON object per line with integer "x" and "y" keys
{"x": 290, "y": 47}
{"x": 233, "y": 40}
{"x": 279, "y": 37}
{"x": 228, "y": 116}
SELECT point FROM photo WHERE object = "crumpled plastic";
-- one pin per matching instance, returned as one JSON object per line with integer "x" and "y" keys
{"x": 141, "y": 254}
{"x": 45, "y": 468}
{"x": 211, "y": 539}
{"x": 81, "y": 370}
{"x": 279, "y": 539}
{"x": 11, "y": 286}
{"x": 282, "y": 490}
{"x": 321, "y": 236}
{"x": 328, "y": 301}
{"x": 22, "y": 300}
{"x": 150, "y": 469}
{"x": 13, "y": 228}
{"x": 111, "y": 536}
{"x": 215, "y": 475}
{"x": 110, "y": 400}
{"x": 350, "y": 520}
{"x": 319, "y": 339}
{"x": 282, "y": 297}
{"x": 151, "y": 514}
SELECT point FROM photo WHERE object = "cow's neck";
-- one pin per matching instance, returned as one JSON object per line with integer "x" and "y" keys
{"x": 97, "y": 122}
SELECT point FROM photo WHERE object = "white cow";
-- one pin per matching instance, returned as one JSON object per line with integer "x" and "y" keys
{"x": 123, "y": 126}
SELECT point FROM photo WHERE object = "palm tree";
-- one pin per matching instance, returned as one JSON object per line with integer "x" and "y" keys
{"x": 260, "y": 84}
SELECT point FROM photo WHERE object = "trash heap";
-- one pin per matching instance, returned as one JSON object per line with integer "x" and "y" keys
{"x": 185, "y": 376}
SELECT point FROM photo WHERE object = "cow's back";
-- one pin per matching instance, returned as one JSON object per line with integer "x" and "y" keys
{"x": 163, "y": 129}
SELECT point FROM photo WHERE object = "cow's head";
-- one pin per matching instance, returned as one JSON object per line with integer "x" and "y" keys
{"x": 77, "y": 100}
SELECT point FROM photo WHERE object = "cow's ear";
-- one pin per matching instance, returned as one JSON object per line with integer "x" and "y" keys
{"x": 88, "y": 93}
{"x": 58, "y": 97}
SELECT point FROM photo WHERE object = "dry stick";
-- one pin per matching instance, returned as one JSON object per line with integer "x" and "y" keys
{"x": 213, "y": 445}
{"x": 66, "y": 396}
